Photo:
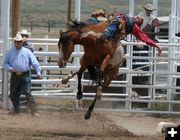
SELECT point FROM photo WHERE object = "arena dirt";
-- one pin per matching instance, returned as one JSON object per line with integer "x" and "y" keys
{"x": 70, "y": 125}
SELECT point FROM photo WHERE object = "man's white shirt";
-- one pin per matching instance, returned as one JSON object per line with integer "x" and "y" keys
{"x": 146, "y": 19}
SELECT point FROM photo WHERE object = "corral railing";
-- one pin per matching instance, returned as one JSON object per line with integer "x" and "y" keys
{"x": 159, "y": 95}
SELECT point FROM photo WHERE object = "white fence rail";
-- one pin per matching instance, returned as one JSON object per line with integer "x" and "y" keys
{"x": 157, "y": 92}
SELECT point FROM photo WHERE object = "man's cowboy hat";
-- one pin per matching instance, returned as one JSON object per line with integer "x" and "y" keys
{"x": 149, "y": 7}
{"x": 18, "y": 37}
{"x": 98, "y": 11}
{"x": 25, "y": 32}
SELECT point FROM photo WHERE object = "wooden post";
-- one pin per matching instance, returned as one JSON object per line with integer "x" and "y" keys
{"x": 69, "y": 10}
{"x": 15, "y": 17}
{"x": 49, "y": 25}
{"x": 31, "y": 26}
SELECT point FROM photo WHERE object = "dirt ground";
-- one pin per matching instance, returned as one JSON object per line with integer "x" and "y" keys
{"x": 70, "y": 125}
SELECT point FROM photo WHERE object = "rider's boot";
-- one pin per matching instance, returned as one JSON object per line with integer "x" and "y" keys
{"x": 108, "y": 33}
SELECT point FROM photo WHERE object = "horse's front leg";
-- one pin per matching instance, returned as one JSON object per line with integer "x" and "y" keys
{"x": 79, "y": 92}
{"x": 81, "y": 70}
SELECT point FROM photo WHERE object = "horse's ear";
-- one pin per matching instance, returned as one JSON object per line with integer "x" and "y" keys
{"x": 60, "y": 32}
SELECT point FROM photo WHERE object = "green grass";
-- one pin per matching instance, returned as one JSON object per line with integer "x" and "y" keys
{"x": 43, "y": 10}
{"x": 176, "y": 107}
{"x": 39, "y": 12}
{"x": 165, "y": 106}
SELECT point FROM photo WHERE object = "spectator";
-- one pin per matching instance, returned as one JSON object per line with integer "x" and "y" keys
{"x": 27, "y": 44}
{"x": 18, "y": 62}
{"x": 150, "y": 22}
{"x": 148, "y": 17}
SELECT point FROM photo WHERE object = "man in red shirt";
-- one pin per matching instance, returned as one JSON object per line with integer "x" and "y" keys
{"x": 127, "y": 25}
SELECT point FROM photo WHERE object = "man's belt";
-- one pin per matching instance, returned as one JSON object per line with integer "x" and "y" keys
{"x": 21, "y": 73}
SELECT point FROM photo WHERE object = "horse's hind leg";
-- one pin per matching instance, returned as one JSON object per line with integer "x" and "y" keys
{"x": 97, "y": 97}
{"x": 81, "y": 70}
{"x": 90, "y": 109}
{"x": 79, "y": 93}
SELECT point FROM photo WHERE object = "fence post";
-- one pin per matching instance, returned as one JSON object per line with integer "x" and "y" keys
{"x": 5, "y": 9}
{"x": 31, "y": 26}
{"x": 49, "y": 25}
{"x": 45, "y": 60}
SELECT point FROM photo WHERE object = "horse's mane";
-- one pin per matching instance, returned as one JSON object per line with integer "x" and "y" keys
{"x": 75, "y": 24}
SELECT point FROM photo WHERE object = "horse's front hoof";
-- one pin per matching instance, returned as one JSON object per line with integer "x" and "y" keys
{"x": 65, "y": 80}
{"x": 87, "y": 115}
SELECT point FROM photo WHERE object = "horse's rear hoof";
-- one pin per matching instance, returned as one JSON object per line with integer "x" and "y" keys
{"x": 87, "y": 115}
{"x": 99, "y": 98}
{"x": 99, "y": 93}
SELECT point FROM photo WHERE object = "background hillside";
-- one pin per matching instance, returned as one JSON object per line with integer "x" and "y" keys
{"x": 55, "y": 11}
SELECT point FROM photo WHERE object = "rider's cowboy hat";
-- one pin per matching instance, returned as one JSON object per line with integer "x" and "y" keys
{"x": 149, "y": 7}
{"x": 18, "y": 37}
{"x": 25, "y": 32}
{"x": 98, "y": 12}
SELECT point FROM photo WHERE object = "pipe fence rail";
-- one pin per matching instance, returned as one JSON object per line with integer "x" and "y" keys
{"x": 159, "y": 94}
{"x": 125, "y": 91}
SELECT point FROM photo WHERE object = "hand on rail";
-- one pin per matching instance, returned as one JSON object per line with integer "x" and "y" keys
{"x": 159, "y": 51}
{"x": 11, "y": 69}
{"x": 140, "y": 46}
{"x": 38, "y": 76}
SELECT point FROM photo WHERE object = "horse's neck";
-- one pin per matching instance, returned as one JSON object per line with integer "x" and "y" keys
{"x": 75, "y": 37}
{"x": 90, "y": 33}
{"x": 87, "y": 35}
{"x": 99, "y": 27}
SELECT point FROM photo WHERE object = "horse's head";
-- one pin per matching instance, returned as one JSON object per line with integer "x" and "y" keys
{"x": 66, "y": 47}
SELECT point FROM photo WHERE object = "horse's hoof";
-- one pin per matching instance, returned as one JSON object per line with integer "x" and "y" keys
{"x": 99, "y": 98}
{"x": 99, "y": 93}
{"x": 65, "y": 80}
{"x": 87, "y": 115}
{"x": 77, "y": 104}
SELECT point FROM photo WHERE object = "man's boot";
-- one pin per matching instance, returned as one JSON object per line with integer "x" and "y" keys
{"x": 32, "y": 106}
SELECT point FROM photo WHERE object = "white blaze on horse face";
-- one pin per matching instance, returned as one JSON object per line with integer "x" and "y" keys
{"x": 61, "y": 55}
{"x": 90, "y": 33}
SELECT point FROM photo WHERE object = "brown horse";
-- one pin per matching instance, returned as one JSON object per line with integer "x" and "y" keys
{"x": 105, "y": 56}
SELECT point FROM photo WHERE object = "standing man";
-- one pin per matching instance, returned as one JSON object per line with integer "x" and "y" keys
{"x": 18, "y": 62}
{"x": 148, "y": 18}
{"x": 150, "y": 22}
